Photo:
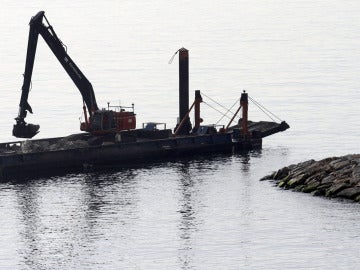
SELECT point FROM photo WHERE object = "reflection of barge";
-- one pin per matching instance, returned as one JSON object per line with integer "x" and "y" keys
{"x": 111, "y": 139}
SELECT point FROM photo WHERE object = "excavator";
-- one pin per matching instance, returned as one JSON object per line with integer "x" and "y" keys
{"x": 99, "y": 121}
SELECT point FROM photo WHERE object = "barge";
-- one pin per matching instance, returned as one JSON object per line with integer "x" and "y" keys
{"x": 85, "y": 151}
{"x": 110, "y": 137}
{"x": 81, "y": 152}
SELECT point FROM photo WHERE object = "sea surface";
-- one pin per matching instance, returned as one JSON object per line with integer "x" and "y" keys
{"x": 300, "y": 59}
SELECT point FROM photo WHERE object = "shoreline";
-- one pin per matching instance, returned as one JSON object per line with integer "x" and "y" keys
{"x": 333, "y": 177}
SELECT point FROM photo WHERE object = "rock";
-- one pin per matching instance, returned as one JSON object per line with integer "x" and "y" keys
{"x": 26, "y": 146}
{"x": 318, "y": 192}
{"x": 29, "y": 146}
{"x": 327, "y": 169}
{"x": 315, "y": 177}
{"x": 335, "y": 189}
{"x": 280, "y": 174}
{"x": 324, "y": 187}
{"x": 332, "y": 177}
{"x": 311, "y": 187}
{"x": 347, "y": 171}
{"x": 306, "y": 163}
{"x": 315, "y": 168}
{"x": 328, "y": 179}
{"x": 357, "y": 199}
{"x": 293, "y": 182}
{"x": 282, "y": 184}
{"x": 353, "y": 158}
{"x": 355, "y": 176}
{"x": 342, "y": 179}
{"x": 299, "y": 188}
{"x": 268, "y": 177}
{"x": 349, "y": 193}
{"x": 339, "y": 164}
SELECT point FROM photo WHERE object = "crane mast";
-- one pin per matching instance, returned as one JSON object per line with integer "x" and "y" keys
{"x": 100, "y": 121}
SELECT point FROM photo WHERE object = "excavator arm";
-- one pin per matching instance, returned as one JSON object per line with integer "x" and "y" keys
{"x": 21, "y": 128}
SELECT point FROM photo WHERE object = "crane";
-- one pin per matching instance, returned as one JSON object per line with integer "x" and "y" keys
{"x": 100, "y": 121}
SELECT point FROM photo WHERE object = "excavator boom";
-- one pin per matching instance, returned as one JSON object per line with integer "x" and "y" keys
{"x": 21, "y": 128}
{"x": 24, "y": 130}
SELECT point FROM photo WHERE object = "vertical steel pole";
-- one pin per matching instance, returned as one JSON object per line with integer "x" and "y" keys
{"x": 198, "y": 100}
{"x": 244, "y": 105}
{"x": 184, "y": 90}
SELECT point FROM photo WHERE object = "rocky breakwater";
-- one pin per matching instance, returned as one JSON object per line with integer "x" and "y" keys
{"x": 330, "y": 177}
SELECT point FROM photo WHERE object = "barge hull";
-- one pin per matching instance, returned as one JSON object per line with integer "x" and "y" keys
{"x": 118, "y": 154}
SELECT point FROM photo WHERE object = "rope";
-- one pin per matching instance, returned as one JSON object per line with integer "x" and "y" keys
{"x": 172, "y": 57}
{"x": 264, "y": 110}
{"x": 216, "y": 109}
{"x": 261, "y": 107}
{"x": 229, "y": 110}
{"x": 217, "y": 103}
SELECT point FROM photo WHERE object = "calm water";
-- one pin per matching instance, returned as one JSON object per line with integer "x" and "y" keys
{"x": 300, "y": 59}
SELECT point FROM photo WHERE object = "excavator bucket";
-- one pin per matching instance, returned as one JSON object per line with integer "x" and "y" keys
{"x": 25, "y": 130}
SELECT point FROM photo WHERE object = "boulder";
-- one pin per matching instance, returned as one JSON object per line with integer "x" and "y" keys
{"x": 355, "y": 176}
{"x": 335, "y": 189}
{"x": 339, "y": 164}
{"x": 328, "y": 179}
{"x": 311, "y": 186}
{"x": 349, "y": 193}
{"x": 280, "y": 174}
{"x": 299, "y": 179}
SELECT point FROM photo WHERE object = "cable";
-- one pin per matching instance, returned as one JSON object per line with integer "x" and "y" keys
{"x": 257, "y": 104}
{"x": 172, "y": 57}
{"x": 216, "y": 109}
{"x": 266, "y": 111}
{"x": 214, "y": 101}
{"x": 229, "y": 110}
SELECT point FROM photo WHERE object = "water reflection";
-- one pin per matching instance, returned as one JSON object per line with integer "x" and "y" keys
{"x": 103, "y": 190}
{"x": 195, "y": 183}
{"x": 76, "y": 216}
{"x": 244, "y": 158}
{"x": 191, "y": 186}
{"x": 63, "y": 218}
{"x": 28, "y": 203}
{"x": 188, "y": 220}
